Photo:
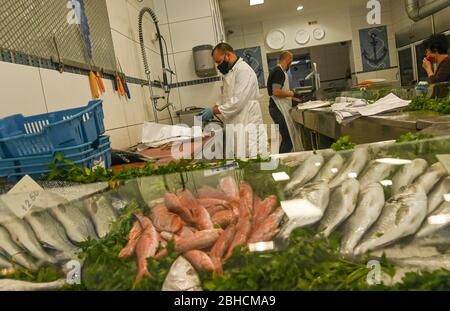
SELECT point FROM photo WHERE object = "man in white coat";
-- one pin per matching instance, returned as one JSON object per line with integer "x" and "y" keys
{"x": 239, "y": 105}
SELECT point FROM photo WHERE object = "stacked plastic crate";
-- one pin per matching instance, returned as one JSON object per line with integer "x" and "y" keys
{"x": 29, "y": 144}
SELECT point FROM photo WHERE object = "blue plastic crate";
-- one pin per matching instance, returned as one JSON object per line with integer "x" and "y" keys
{"x": 27, "y": 136}
{"x": 90, "y": 155}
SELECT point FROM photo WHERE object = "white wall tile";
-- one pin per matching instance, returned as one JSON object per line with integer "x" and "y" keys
{"x": 185, "y": 66}
{"x": 135, "y": 133}
{"x": 113, "y": 107}
{"x": 118, "y": 16}
{"x": 142, "y": 4}
{"x": 160, "y": 10}
{"x": 127, "y": 52}
{"x": 120, "y": 138}
{"x": 186, "y": 10}
{"x": 134, "y": 107}
{"x": 237, "y": 42}
{"x": 66, "y": 90}
{"x": 21, "y": 90}
{"x": 254, "y": 28}
{"x": 234, "y": 31}
{"x": 188, "y": 34}
{"x": 202, "y": 95}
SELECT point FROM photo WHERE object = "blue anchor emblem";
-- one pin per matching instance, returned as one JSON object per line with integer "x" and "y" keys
{"x": 375, "y": 59}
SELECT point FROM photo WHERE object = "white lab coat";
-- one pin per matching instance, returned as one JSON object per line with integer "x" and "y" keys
{"x": 240, "y": 105}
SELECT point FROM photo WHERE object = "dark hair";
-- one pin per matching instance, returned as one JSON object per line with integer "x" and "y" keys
{"x": 437, "y": 44}
{"x": 223, "y": 47}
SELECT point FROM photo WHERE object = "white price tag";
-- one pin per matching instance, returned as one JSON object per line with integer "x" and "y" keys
{"x": 280, "y": 176}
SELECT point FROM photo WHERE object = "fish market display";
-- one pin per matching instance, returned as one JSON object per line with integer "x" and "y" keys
{"x": 431, "y": 263}
{"x": 13, "y": 251}
{"x": 370, "y": 205}
{"x": 352, "y": 167}
{"x": 77, "y": 224}
{"x": 437, "y": 196}
{"x": 305, "y": 172}
{"x": 431, "y": 177}
{"x": 439, "y": 219}
{"x": 407, "y": 174}
{"x": 330, "y": 169}
{"x": 318, "y": 193}
{"x": 102, "y": 214}
{"x": 24, "y": 236}
{"x": 20, "y": 286}
{"x": 5, "y": 263}
{"x": 376, "y": 172}
{"x": 401, "y": 216}
{"x": 190, "y": 221}
{"x": 341, "y": 206}
{"x": 50, "y": 232}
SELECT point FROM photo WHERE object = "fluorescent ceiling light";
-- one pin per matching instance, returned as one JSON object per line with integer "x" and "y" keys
{"x": 300, "y": 7}
{"x": 256, "y": 2}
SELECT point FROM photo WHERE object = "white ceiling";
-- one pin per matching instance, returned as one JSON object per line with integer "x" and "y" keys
{"x": 238, "y": 12}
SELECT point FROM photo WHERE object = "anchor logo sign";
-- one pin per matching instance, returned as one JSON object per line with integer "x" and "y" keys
{"x": 379, "y": 51}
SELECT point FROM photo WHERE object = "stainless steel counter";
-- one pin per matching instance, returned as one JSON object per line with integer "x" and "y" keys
{"x": 363, "y": 130}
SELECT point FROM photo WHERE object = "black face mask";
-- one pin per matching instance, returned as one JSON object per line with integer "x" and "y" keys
{"x": 224, "y": 67}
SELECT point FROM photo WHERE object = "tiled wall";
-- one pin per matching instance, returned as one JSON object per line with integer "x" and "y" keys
{"x": 341, "y": 24}
{"x": 187, "y": 24}
{"x": 358, "y": 15}
{"x": 184, "y": 24}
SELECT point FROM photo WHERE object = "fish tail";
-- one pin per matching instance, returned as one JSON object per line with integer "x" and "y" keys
{"x": 140, "y": 276}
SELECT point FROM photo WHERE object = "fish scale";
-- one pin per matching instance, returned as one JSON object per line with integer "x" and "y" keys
{"x": 402, "y": 216}
{"x": 341, "y": 206}
{"x": 305, "y": 172}
{"x": 14, "y": 251}
{"x": 370, "y": 205}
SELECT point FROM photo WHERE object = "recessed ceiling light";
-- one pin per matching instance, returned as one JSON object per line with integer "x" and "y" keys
{"x": 300, "y": 7}
{"x": 256, "y": 2}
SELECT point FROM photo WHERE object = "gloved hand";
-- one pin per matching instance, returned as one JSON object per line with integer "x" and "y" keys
{"x": 207, "y": 115}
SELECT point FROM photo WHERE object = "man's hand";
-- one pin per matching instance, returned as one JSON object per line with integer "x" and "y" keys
{"x": 428, "y": 67}
{"x": 207, "y": 115}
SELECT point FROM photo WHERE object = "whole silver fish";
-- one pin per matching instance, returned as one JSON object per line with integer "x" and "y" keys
{"x": 352, "y": 168}
{"x": 342, "y": 204}
{"x": 23, "y": 235}
{"x": 376, "y": 172}
{"x": 102, "y": 214}
{"x": 305, "y": 172}
{"x": 432, "y": 263}
{"x": 21, "y": 286}
{"x": 439, "y": 219}
{"x": 402, "y": 216}
{"x": 370, "y": 204}
{"x": 406, "y": 175}
{"x": 49, "y": 231}
{"x": 431, "y": 177}
{"x": 78, "y": 226}
{"x": 13, "y": 251}
{"x": 4, "y": 263}
{"x": 330, "y": 169}
{"x": 437, "y": 239}
{"x": 436, "y": 197}
{"x": 317, "y": 193}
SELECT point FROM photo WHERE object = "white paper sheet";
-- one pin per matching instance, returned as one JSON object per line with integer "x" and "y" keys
{"x": 385, "y": 104}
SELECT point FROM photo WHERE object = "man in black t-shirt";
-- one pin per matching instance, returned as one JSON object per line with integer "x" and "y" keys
{"x": 281, "y": 95}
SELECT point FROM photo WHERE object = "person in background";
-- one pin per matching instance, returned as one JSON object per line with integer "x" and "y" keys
{"x": 280, "y": 105}
{"x": 239, "y": 103}
{"x": 436, "y": 48}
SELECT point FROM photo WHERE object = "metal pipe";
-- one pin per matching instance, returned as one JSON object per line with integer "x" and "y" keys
{"x": 416, "y": 12}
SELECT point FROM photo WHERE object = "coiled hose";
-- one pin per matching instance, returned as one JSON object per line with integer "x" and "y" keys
{"x": 166, "y": 85}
